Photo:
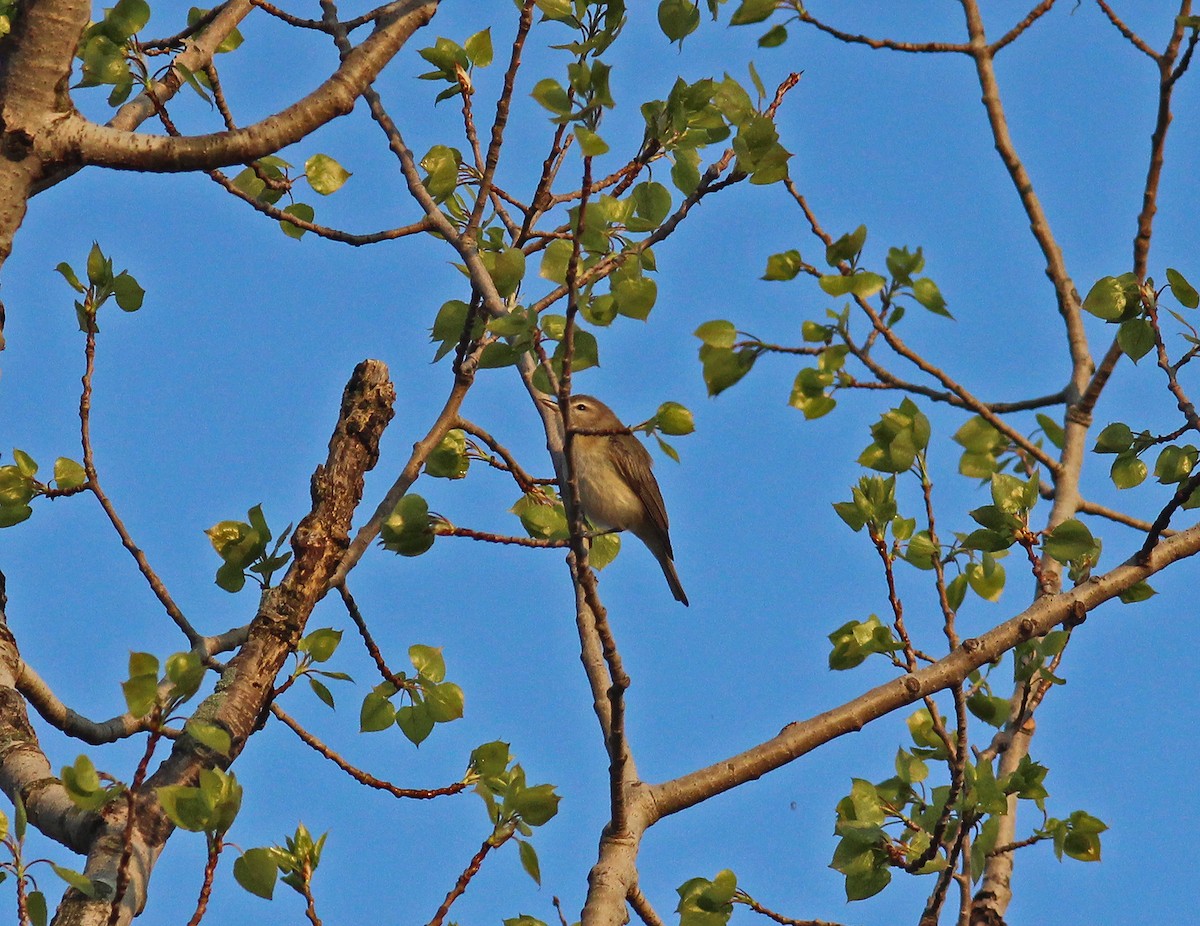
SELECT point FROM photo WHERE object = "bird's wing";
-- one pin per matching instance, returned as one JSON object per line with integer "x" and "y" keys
{"x": 634, "y": 464}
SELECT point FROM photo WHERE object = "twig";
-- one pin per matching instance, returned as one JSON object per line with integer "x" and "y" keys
{"x": 744, "y": 898}
{"x": 640, "y": 905}
{"x": 215, "y": 845}
{"x": 464, "y": 879}
{"x": 368, "y": 641}
{"x": 525, "y": 482}
{"x": 445, "y": 529}
{"x": 131, "y": 797}
{"x": 1134, "y": 39}
{"x": 892, "y": 44}
{"x": 364, "y": 778}
{"x": 1016, "y": 31}
{"x": 93, "y": 482}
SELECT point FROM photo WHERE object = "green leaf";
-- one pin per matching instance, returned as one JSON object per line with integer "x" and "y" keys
{"x": 1106, "y": 299}
{"x": 529, "y": 861}
{"x": 1070, "y": 541}
{"x": 211, "y": 735}
{"x": 920, "y": 551}
{"x": 685, "y": 172}
{"x": 449, "y": 459}
{"x": 1182, "y": 290}
{"x": 415, "y": 722}
{"x": 783, "y": 266}
{"x": 25, "y": 463}
{"x": 301, "y": 211}
{"x": 321, "y": 643}
{"x": 322, "y": 692}
{"x": 428, "y": 661}
{"x": 68, "y": 474}
{"x": 604, "y": 549}
{"x": 927, "y": 293}
{"x": 1053, "y": 430}
{"x": 376, "y": 713}
{"x": 506, "y": 267}
{"x": 723, "y": 367}
{"x": 445, "y": 702}
{"x": 256, "y": 871}
{"x": 80, "y": 882}
{"x": 189, "y": 78}
{"x": 536, "y": 805}
{"x": 325, "y": 175}
{"x": 69, "y": 275}
{"x": 717, "y": 333}
{"x": 35, "y": 903}
{"x": 635, "y": 296}
{"x": 1136, "y": 337}
{"x": 1139, "y": 591}
{"x": 674, "y": 419}
{"x": 591, "y": 144}
{"x": 407, "y": 530}
{"x": 99, "y": 268}
{"x": 846, "y": 247}
{"x": 185, "y": 672}
{"x": 1116, "y": 438}
{"x": 991, "y": 710}
{"x": 1127, "y": 471}
{"x": 752, "y": 11}
{"x": 861, "y": 283}
{"x": 854, "y": 641}
{"x": 550, "y": 93}
{"x": 773, "y": 37}
{"x": 479, "y": 48}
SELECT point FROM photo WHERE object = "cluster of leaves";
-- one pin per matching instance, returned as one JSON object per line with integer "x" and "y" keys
{"x": 209, "y": 807}
{"x": 408, "y": 530}
{"x": 707, "y": 903}
{"x": 892, "y": 823}
{"x": 110, "y": 54}
{"x": 19, "y": 485}
{"x": 432, "y": 699}
{"x": 450, "y": 60}
{"x": 544, "y": 518}
{"x": 725, "y": 360}
{"x": 513, "y": 805}
{"x": 587, "y": 93}
{"x": 1123, "y": 301}
{"x": 1174, "y": 465}
{"x": 149, "y": 689}
{"x": 900, "y": 439}
{"x": 35, "y": 900}
{"x": 696, "y": 115}
{"x": 242, "y": 545}
{"x": 608, "y": 220}
{"x": 106, "y": 47}
{"x": 313, "y": 649}
{"x": 268, "y": 178}
{"x": 103, "y": 284}
{"x": 258, "y": 869}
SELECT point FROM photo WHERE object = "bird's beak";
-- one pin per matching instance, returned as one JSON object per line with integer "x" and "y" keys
{"x": 549, "y": 401}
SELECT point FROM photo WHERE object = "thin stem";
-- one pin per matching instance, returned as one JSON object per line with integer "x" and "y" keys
{"x": 362, "y": 777}
{"x": 93, "y": 482}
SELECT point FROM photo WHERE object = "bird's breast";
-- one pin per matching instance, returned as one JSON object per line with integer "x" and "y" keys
{"x": 606, "y": 498}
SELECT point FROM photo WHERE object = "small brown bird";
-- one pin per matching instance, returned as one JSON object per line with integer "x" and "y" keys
{"x": 617, "y": 489}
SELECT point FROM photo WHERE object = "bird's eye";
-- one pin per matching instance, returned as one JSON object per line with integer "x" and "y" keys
{"x": 580, "y": 407}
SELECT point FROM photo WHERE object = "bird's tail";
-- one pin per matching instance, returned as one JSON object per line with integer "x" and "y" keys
{"x": 668, "y": 568}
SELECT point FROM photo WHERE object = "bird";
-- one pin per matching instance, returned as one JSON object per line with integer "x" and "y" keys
{"x": 617, "y": 488}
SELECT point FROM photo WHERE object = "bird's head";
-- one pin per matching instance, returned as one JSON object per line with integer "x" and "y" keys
{"x": 587, "y": 413}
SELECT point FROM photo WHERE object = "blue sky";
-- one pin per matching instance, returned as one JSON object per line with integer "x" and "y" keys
{"x": 221, "y": 393}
